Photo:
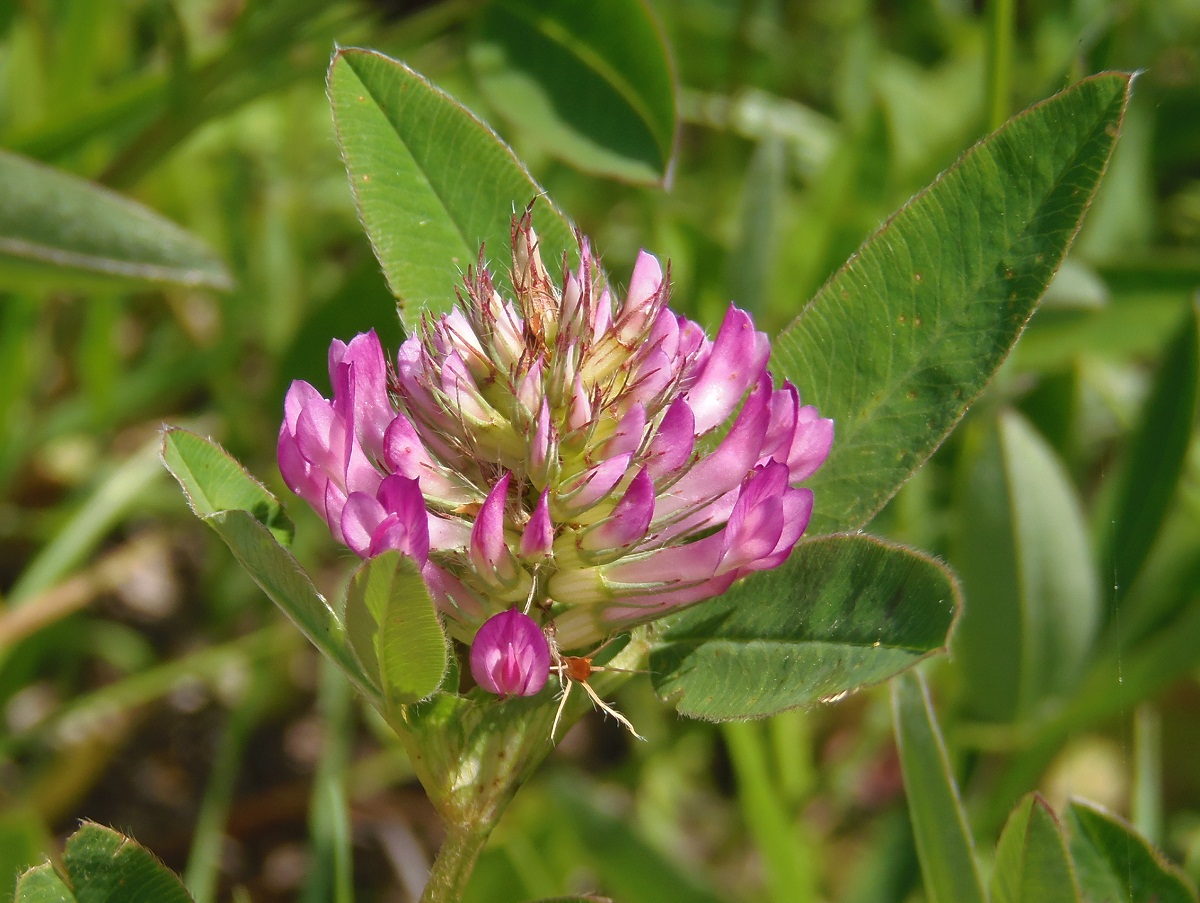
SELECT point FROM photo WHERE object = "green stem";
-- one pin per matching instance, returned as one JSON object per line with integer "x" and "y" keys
{"x": 1001, "y": 18}
{"x": 789, "y": 869}
{"x": 455, "y": 862}
{"x": 473, "y": 753}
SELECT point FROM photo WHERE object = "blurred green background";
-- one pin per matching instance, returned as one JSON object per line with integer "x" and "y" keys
{"x": 146, "y": 683}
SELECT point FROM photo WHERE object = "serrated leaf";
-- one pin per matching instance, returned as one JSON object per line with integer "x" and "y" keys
{"x": 394, "y": 629}
{"x": 1027, "y": 569}
{"x": 213, "y": 481}
{"x": 841, "y": 613}
{"x": 1156, "y": 455}
{"x": 42, "y": 884}
{"x": 1116, "y": 865}
{"x": 1032, "y": 865}
{"x": 903, "y": 338}
{"x": 944, "y": 843}
{"x": 287, "y": 584}
{"x": 59, "y": 230}
{"x": 591, "y": 83}
{"x": 106, "y": 867}
{"x": 432, "y": 182}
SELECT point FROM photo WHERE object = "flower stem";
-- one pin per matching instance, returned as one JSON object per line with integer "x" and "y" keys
{"x": 455, "y": 861}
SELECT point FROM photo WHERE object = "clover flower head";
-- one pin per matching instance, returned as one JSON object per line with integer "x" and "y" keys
{"x": 591, "y": 457}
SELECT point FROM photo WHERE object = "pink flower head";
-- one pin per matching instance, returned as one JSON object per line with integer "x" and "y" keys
{"x": 510, "y": 655}
{"x": 597, "y": 456}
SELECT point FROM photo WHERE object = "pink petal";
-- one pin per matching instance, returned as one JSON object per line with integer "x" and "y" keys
{"x": 674, "y": 440}
{"x": 361, "y": 514}
{"x": 630, "y": 518}
{"x": 510, "y": 655}
{"x": 643, "y": 300}
{"x": 756, "y": 522}
{"x": 541, "y": 444}
{"x": 580, "y": 413}
{"x": 814, "y": 438}
{"x": 627, "y": 437}
{"x": 489, "y": 552}
{"x": 402, "y": 497}
{"x": 593, "y": 485}
{"x": 362, "y": 375}
{"x": 451, "y": 596}
{"x": 538, "y": 537}
{"x": 736, "y": 362}
{"x": 717, "y": 473}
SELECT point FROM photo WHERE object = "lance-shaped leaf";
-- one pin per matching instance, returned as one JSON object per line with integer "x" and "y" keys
{"x": 591, "y": 83}
{"x": 1116, "y": 865}
{"x": 841, "y": 613}
{"x": 394, "y": 629}
{"x": 249, "y": 519}
{"x": 432, "y": 182}
{"x": 1027, "y": 570}
{"x": 213, "y": 481}
{"x": 902, "y": 339}
{"x": 1032, "y": 865}
{"x": 944, "y": 843}
{"x": 58, "y": 230}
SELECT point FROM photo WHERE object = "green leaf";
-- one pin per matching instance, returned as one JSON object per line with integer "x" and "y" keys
{"x": 1032, "y": 865}
{"x": 903, "y": 338}
{"x": 591, "y": 83}
{"x": 432, "y": 182}
{"x": 59, "y": 230}
{"x": 1027, "y": 571}
{"x": 1156, "y": 455}
{"x": 841, "y": 613}
{"x": 286, "y": 584}
{"x": 106, "y": 867}
{"x": 42, "y": 884}
{"x": 394, "y": 629}
{"x": 213, "y": 481}
{"x": 251, "y": 522}
{"x": 944, "y": 843}
{"x": 1116, "y": 865}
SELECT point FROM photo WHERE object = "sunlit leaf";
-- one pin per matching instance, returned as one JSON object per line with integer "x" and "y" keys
{"x": 394, "y": 629}
{"x": 590, "y": 82}
{"x": 842, "y": 613}
{"x": 432, "y": 181}
{"x": 213, "y": 481}
{"x": 242, "y": 512}
{"x": 59, "y": 230}
{"x": 944, "y": 843}
{"x": 1027, "y": 569}
{"x": 902, "y": 339}
{"x": 1116, "y": 865}
{"x": 1032, "y": 865}
{"x": 286, "y": 584}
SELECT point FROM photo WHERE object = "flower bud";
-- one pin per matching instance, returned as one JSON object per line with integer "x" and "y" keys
{"x": 510, "y": 655}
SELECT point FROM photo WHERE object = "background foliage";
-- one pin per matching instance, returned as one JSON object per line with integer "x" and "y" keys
{"x": 145, "y": 683}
